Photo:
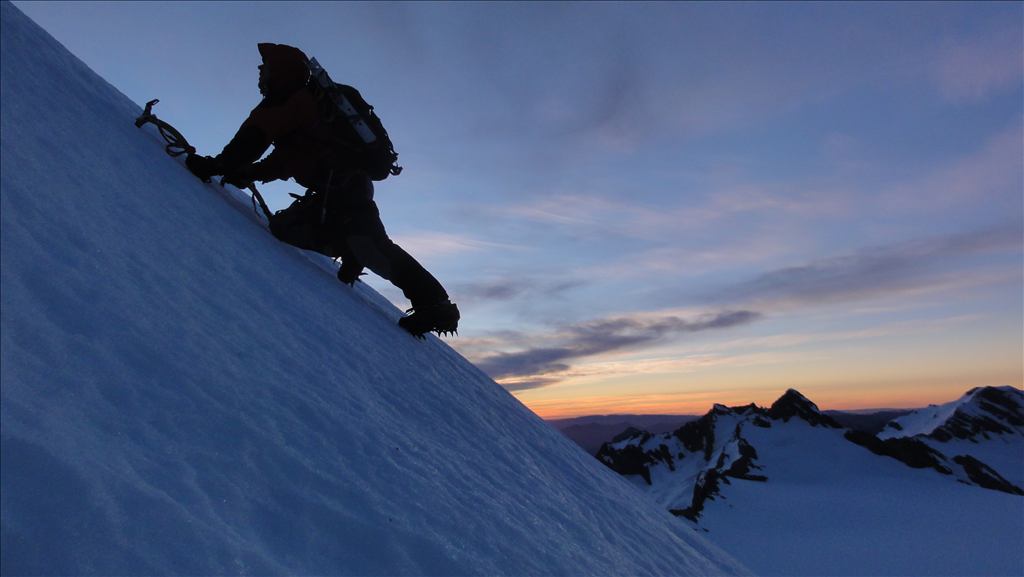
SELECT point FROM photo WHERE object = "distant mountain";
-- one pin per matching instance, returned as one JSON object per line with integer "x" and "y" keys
{"x": 981, "y": 413}
{"x": 591, "y": 432}
{"x": 791, "y": 490}
{"x": 986, "y": 425}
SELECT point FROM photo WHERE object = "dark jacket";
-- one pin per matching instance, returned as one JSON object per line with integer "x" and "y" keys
{"x": 288, "y": 118}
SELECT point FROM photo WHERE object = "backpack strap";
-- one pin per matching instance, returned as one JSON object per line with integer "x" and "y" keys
{"x": 319, "y": 75}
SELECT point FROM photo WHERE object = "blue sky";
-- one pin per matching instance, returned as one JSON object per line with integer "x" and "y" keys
{"x": 654, "y": 206}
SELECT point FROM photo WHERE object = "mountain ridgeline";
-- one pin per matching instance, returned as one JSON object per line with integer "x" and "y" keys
{"x": 789, "y": 490}
{"x": 704, "y": 454}
{"x": 981, "y": 414}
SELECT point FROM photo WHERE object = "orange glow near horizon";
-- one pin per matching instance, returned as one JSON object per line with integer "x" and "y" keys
{"x": 856, "y": 374}
{"x": 906, "y": 395}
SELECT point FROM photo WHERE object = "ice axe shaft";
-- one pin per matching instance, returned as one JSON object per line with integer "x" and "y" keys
{"x": 257, "y": 197}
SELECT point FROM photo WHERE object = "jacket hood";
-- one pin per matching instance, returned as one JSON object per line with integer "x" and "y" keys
{"x": 287, "y": 68}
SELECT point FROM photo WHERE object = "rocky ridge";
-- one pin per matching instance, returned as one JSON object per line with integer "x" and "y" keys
{"x": 701, "y": 458}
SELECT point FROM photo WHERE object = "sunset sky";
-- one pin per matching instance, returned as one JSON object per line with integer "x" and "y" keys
{"x": 652, "y": 207}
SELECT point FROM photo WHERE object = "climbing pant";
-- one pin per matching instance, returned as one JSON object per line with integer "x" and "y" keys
{"x": 344, "y": 221}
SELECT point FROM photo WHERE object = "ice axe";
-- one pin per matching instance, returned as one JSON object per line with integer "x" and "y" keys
{"x": 178, "y": 145}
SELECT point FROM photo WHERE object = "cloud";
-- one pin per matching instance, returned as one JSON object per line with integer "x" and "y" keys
{"x": 591, "y": 213}
{"x": 573, "y": 342}
{"x": 429, "y": 245}
{"x": 992, "y": 172}
{"x": 973, "y": 70}
{"x": 525, "y": 384}
{"x": 507, "y": 289}
{"x": 771, "y": 344}
{"x": 871, "y": 272}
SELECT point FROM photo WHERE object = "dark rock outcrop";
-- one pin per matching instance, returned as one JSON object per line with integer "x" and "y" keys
{"x": 909, "y": 451}
{"x": 793, "y": 404}
{"x": 629, "y": 460}
{"x": 709, "y": 481}
{"x": 699, "y": 435}
{"x": 706, "y": 487}
{"x": 984, "y": 476}
{"x": 741, "y": 468}
{"x": 630, "y": 433}
{"x": 998, "y": 411}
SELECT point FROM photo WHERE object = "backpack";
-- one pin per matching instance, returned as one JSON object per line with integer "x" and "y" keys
{"x": 357, "y": 132}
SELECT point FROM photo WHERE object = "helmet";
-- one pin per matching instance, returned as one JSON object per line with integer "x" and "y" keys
{"x": 285, "y": 69}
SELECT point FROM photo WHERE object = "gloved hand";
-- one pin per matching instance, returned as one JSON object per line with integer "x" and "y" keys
{"x": 350, "y": 271}
{"x": 240, "y": 178}
{"x": 203, "y": 167}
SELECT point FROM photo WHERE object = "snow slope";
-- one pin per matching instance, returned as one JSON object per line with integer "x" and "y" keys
{"x": 182, "y": 394}
{"x": 986, "y": 423}
{"x": 830, "y": 507}
{"x": 786, "y": 491}
{"x": 981, "y": 411}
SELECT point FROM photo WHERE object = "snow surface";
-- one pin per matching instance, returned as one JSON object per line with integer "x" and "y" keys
{"x": 831, "y": 507}
{"x": 183, "y": 394}
{"x": 1002, "y": 451}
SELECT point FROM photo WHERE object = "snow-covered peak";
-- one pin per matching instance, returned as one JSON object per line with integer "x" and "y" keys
{"x": 183, "y": 394}
{"x": 793, "y": 404}
{"x": 982, "y": 411}
{"x": 719, "y": 409}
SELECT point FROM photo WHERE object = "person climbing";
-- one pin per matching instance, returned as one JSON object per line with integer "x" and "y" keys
{"x": 338, "y": 215}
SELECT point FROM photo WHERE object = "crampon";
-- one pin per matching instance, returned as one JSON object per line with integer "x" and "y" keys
{"x": 441, "y": 318}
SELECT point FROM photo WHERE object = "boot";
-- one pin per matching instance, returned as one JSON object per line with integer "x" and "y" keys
{"x": 441, "y": 318}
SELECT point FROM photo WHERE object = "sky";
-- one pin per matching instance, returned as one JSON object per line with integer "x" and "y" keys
{"x": 653, "y": 207}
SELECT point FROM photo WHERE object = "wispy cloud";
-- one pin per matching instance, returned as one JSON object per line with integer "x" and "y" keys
{"x": 993, "y": 171}
{"x": 972, "y": 70}
{"x": 533, "y": 360}
{"x": 520, "y": 287}
{"x": 440, "y": 244}
{"x": 871, "y": 272}
{"x": 685, "y": 259}
{"x": 776, "y": 342}
{"x": 554, "y": 352}
{"x": 593, "y": 213}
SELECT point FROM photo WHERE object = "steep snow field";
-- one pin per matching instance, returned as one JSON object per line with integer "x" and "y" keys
{"x": 183, "y": 394}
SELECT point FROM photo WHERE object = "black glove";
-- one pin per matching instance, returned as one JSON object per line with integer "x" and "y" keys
{"x": 203, "y": 167}
{"x": 239, "y": 178}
